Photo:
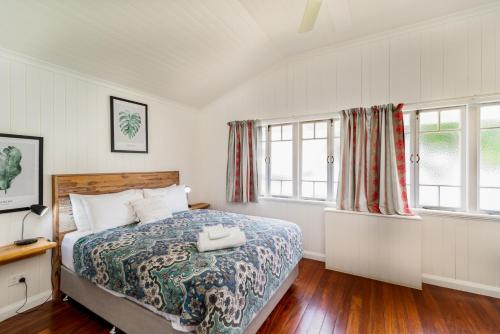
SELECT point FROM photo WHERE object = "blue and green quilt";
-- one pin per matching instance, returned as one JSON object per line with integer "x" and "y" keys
{"x": 159, "y": 265}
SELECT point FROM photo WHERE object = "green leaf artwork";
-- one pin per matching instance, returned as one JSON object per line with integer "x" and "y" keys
{"x": 130, "y": 123}
{"x": 10, "y": 166}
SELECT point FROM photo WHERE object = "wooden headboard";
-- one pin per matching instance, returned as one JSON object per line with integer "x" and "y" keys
{"x": 92, "y": 184}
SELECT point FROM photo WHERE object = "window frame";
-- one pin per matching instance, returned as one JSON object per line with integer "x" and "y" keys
{"x": 415, "y": 132}
{"x": 478, "y": 128}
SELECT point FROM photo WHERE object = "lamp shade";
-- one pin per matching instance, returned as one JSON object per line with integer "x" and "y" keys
{"x": 39, "y": 209}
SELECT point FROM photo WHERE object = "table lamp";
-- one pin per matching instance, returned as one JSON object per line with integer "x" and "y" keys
{"x": 39, "y": 210}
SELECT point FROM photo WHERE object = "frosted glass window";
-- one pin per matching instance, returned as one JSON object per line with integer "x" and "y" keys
{"x": 314, "y": 164}
{"x": 307, "y": 189}
{"x": 489, "y": 163}
{"x": 321, "y": 129}
{"x": 489, "y": 199}
{"x": 286, "y": 132}
{"x": 281, "y": 160}
{"x": 449, "y": 197}
{"x": 490, "y": 116}
{"x": 307, "y": 130}
{"x": 429, "y": 121}
{"x": 439, "y": 159}
{"x": 450, "y": 119}
{"x": 262, "y": 160}
{"x": 429, "y": 196}
{"x": 320, "y": 191}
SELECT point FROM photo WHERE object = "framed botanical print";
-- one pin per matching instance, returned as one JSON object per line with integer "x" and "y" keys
{"x": 129, "y": 126}
{"x": 21, "y": 172}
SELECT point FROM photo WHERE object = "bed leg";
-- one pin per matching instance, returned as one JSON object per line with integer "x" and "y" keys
{"x": 112, "y": 330}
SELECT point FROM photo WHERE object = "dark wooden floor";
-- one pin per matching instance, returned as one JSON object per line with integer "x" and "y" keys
{"x": 320, "y": 301}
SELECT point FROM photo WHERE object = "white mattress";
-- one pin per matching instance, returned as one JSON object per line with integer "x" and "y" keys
{"x": 67, "y": 248}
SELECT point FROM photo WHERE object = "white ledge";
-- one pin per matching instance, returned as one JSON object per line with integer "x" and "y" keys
{"x": 372, "y": 214}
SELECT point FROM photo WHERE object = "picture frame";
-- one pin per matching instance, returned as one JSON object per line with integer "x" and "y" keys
{"x": 21, "y": 172}
{"x": 129, "y": 126}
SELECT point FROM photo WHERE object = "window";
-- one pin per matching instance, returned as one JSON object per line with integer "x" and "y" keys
{"x": 434, "y": 162}
{"x": 489, "y": 158}
{"x": 298, "y": 160}
{"x": 315, "y": 155}
{"x": 281, "y": 160}
{"x": 452, "y": 158}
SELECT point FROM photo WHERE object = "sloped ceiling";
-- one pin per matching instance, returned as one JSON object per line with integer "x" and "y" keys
{"x": 192, "y": 51}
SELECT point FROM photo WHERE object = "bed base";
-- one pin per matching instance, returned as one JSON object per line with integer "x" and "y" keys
{"x": 135, "y": 319}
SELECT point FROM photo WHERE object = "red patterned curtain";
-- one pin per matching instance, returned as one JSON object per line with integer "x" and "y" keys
{"x": 242, "y": 179}
{"x": 372, "y": 170}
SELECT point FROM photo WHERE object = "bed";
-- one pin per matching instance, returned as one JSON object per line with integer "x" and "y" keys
{"x": 151, "y": 278}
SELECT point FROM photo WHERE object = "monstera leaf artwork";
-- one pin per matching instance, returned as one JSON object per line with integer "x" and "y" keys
{"x": 130, "y": 123}
{"x": 10, "y": 166}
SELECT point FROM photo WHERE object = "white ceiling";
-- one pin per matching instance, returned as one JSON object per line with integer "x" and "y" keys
{"x": 192, "y": 51}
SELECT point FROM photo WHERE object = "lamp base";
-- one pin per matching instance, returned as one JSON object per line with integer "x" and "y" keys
{"x": 25, "y": 242}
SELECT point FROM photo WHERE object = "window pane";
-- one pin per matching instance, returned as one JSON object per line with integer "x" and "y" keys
{"x": 406, "y": 123}
{"x": 321, "y": 129}
{"x": 276, "y": 132}
{"x": 307, "y": 189}
{"x": 336, "y": 161}
{"x": 490, "y": 116}
{"x": 263, "y": 133}
{"x": 262, "y": 168}
{"x": 286, "y": 188}
{"x": 281, "y": 160}
{"x": 314, "y": 165}
{"x": 286, "y": 132}
{"x": 489, "y": 198}
{"x": 449, "y": 197}
{"x": 276, "y": 188}
{"x": 428, "y": 196}
{"x": 490, "y": 158}
{"x": 440, "y": 158}
{"x": 450, "y": 119}
{"x": 307, "y": 130}
{"x": 336, "y": 128}
{"x": 320, "y": 190}
{"x": 335, "y": 188}
{"x": 429, "y": 121}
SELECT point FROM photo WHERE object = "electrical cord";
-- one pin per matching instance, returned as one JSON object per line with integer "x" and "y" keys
{"x": 23, "y": 280}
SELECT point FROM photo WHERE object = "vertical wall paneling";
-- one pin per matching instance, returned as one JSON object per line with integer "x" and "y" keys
{"x": 455, "y": 59}
{"x": 432, "y": 64}
{"x": 405, "y": 67}
{"x": 349, "y": 64}
{"x": 488, "y": 53}
{"x": 474, "y": 58}
{"x": 4, "y": 96}
{"x": 71, "y": 113}
{"x": 375, "y": 72}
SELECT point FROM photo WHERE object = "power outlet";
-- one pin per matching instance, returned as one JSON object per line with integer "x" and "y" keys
{"x": 13, "y": 280}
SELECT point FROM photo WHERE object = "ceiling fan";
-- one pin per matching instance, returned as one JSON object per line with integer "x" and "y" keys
{"x": 339, "y": 11}
{"x": 310, "y": 15}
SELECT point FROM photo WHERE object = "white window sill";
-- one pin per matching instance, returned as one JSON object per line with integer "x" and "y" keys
{"x": 325, "y": 204}
{"x": 419, "y": 211}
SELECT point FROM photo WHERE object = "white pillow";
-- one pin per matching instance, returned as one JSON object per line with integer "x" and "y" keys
{"x": 175, "y": 197}
{"x": 111, "y": 210}
{"x": 151, "y": 209}
{"x": 80, "y": 216}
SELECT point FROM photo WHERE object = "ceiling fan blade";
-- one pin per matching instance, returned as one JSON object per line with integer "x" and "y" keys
{"x": 310, "y": 15}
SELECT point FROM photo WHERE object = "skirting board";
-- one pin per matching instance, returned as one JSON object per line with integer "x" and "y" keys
{"x": 10, "y": 310}
{"x": 314, "y": 256}
{"x": 467, "y": 286}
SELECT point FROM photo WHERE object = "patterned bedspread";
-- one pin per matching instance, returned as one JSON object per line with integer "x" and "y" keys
{"x": 216, "y": 292}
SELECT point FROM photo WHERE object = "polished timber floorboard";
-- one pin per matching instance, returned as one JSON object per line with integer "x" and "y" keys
{"x": 320, "y": 301}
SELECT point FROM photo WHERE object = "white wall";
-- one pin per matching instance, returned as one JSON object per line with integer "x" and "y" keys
{"x": 71, "y": 112}
{"x": 449, "y": 58}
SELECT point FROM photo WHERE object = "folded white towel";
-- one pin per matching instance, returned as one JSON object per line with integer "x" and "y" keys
{"x": 216, "y": 232}
{"x": 235, "y": 238}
